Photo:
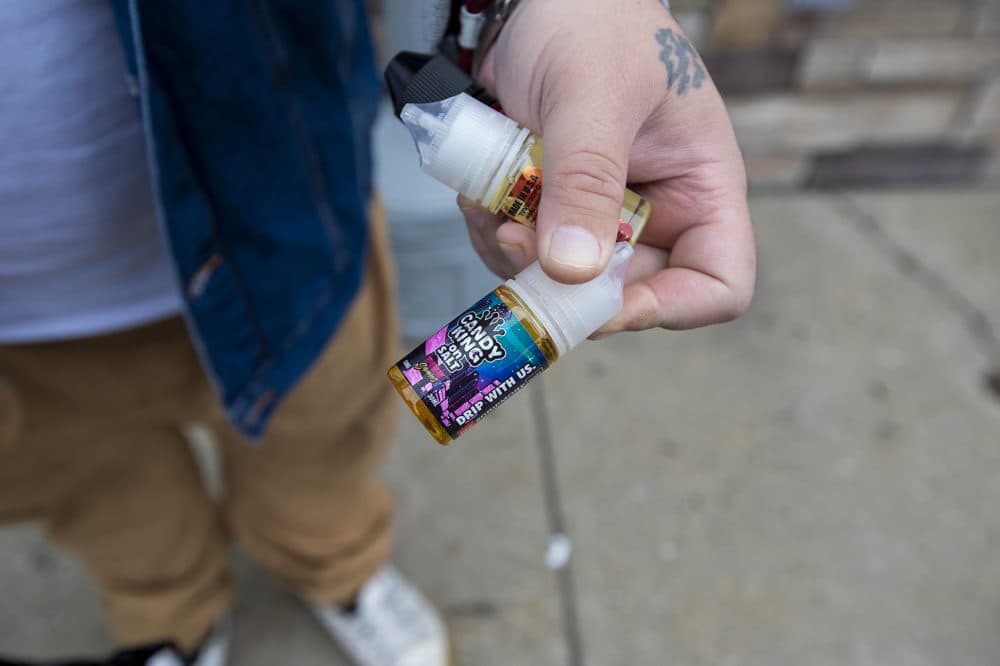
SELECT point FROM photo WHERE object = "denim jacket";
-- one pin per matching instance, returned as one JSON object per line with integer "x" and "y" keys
{"x": 258, "y": 116}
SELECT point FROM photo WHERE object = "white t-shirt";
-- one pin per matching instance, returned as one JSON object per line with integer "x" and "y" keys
{"x": 80, "y": 251}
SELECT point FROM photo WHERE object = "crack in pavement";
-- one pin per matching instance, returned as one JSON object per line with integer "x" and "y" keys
{"x": 557, "y": 526}
{"x": 908, "y": 263}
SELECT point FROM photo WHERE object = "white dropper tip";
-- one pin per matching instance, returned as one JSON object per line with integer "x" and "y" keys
{"x": 461, "y": 141}
{"x": 413, "y": 115}
{"x": 432, "y": 124}
{"x": 410, "y": 114}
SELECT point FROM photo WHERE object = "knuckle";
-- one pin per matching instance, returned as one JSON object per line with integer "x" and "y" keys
{"x": 646, "y": 319}
{"x": 589, "y": 175}
{"x": 501, "y": 267}
{"x": 736, "y": 305}
{"x": 483, "y": 247}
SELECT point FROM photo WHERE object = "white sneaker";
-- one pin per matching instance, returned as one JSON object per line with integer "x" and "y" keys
{"x": 213, "y": 652}
{"x": 391, "y": 625}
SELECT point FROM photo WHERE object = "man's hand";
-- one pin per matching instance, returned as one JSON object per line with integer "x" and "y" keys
{"x": 619, "y": 95}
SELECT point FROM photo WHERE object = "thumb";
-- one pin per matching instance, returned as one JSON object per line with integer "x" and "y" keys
{"x": 587, "y": 145}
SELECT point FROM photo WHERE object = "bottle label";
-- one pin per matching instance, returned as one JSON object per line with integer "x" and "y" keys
{"x": 521, "y": 205}
{"x": 472, "y": 365}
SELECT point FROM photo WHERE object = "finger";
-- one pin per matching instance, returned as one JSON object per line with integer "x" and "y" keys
{"x": 486, "y": 76}
{"x": 465, "y": 204}
{"x": 710, "y": 279}
{"x": 518, "y": 243}
{"x": 587, "y": 143}
{"x": 506, "y": 247}
{"x": 479, "y": 222}
{"x": 482, "y": 227}
{"x": 646, "y": 262}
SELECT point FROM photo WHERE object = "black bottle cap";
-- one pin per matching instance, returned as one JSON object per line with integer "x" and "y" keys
{"x": 420, "y": 78}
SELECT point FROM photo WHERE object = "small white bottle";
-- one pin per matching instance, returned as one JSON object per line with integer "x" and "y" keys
{"x": 487, "y": 157}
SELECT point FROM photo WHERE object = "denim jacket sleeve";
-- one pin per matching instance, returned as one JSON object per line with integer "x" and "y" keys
{"x": 258, "y": 116}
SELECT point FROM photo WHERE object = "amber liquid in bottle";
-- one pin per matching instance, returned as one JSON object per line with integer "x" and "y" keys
{"x": 520, "y": 193}
{"x": 525, "y": 319}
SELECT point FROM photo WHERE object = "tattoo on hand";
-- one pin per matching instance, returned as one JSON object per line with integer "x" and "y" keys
{"x": 684, "y": 68}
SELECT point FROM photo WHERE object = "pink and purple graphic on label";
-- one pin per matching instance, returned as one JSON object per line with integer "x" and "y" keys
{"x": 473, "y": 364}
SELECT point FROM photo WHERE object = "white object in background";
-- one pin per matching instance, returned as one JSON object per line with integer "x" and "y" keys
{"x": 471, "y": 26}
{"x": 559, "y": 552}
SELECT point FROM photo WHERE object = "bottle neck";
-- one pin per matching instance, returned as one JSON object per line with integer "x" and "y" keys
{"x": 536, "y": 304}
{"x": 570, "y": 313}
{"x": 515, "y": 152}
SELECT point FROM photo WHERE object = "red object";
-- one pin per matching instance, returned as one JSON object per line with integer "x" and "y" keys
{"x": 465, "y": 60}
{"x": 624, "y": 232}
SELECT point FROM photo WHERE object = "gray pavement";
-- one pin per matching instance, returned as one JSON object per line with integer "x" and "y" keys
{"x": 814, "y": 485}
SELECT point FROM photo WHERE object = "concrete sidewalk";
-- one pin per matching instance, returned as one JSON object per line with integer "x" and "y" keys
{"x": 814, "y": 485}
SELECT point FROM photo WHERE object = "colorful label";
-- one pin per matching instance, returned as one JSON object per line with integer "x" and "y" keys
{"x": 521, "y": 205}
{"x": 469, "y": 367}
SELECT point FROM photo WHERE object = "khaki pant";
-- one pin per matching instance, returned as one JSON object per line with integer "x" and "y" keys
{"x": 91, "y": 444}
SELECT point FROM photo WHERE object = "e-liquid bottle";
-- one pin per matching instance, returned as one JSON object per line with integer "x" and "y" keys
{"x": 493, "y": 349}
{"x": 489, "y": 158}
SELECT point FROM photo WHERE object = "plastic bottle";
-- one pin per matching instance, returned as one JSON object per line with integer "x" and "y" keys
{"x": 493, "y": 349}
{"x": 489, "y": 158}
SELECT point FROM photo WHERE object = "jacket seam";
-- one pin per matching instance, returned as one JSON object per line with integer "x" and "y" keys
{"x": 147, "y": 117}
{"x": 138, "y": 45}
